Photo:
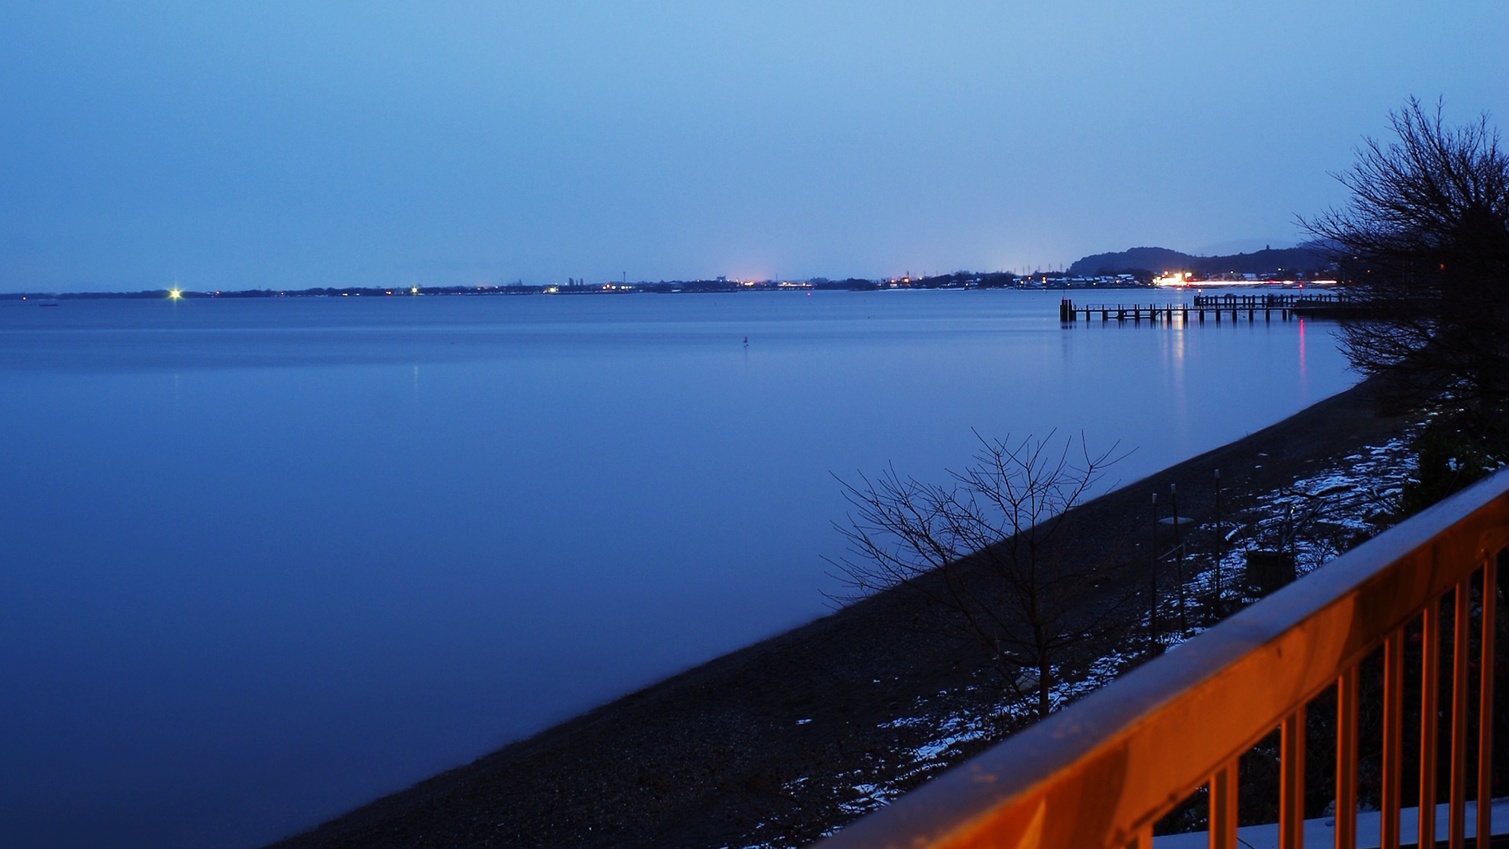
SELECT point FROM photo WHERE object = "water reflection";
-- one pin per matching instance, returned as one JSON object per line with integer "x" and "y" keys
{"x": 1303, "y": 376}
{"x": 1177, "y": 384}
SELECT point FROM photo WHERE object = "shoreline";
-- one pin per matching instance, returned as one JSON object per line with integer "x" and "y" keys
{"x": 769, "y": 741}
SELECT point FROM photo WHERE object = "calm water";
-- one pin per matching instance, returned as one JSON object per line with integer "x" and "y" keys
{"x": 261, "y": 561}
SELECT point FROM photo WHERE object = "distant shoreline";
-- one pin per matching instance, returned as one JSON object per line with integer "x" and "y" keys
{"x": 998, "y": 280}
{"x": 1134, "y": 268}
{"x": 754, "y": 741}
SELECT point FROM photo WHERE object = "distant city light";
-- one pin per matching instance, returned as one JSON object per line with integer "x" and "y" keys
{"x": 175, "y": 294}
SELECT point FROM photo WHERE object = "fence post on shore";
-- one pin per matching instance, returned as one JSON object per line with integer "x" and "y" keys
{"x": 1173, "y": 500}
{"x": 1220, "y": 545}
{"x": 1152, "y": 605}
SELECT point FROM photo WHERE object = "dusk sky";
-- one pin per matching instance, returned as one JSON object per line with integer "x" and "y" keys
{"x": 290, "y": 145}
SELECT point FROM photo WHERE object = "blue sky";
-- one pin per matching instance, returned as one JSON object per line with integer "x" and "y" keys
{"x": 277, "y": 145}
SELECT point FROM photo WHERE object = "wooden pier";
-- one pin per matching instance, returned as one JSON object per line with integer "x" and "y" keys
{"x": 1216, "y": 307}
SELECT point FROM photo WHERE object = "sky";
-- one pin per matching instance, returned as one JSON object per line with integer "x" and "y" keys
{"x": 298, "y": 144}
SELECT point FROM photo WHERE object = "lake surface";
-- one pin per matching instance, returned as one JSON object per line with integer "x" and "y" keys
{"x": 264, "y": 560}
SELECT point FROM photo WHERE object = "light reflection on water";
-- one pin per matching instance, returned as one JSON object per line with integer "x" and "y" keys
{"x": 1303, "y": 371}
{"x": 264, "y": 560}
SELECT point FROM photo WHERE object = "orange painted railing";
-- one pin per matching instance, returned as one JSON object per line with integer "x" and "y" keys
{"x": 1104, "y": 770}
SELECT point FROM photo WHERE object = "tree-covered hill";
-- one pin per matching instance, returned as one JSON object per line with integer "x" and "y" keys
{"x": 1305, "y": 259}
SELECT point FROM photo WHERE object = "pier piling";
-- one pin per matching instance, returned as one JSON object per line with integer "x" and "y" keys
{"x": 1172, "y": 314}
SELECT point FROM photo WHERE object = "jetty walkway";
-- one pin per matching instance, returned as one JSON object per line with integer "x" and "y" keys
{"x": 1229, "y": 306}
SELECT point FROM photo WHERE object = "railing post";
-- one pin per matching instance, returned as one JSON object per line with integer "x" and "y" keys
{"x": 1143, "y": 839}
{"x": 1393, "y": 739}
{"x": 1489, "y": 599}
{"x": 1291, "y": 782}
{"x": 1346, "y": 760}
{"x": 1457, "y": 816}
{"x": 1223, "y": 807}
{"x": 1430, "y": 684}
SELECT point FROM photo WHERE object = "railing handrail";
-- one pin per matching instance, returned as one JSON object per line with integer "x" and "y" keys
{"x": 1102, "y": 771}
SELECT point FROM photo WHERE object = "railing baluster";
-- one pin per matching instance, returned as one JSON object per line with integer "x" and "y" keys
{"x": 1430, "y": 682}
{"x": 1457, "y": 816}
{"x": 1223, "y": 807}
{"x": 1291, "y": 786}
{"x": 1393, "y": 738}
{"x": 1143, "y": 839}
{"x": 1346, "y": 760}
{"x": 1485, "y": 700}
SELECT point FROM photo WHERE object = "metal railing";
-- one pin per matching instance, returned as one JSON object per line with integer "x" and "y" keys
{"x": 1104, "y": 770}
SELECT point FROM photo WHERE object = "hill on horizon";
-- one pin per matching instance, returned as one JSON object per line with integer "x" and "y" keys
{"x": 1152, "y": 261}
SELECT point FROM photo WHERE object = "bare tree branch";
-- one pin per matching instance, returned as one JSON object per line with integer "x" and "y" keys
{"x": 1424, "y": 243}
{"x": 978, "y": 547}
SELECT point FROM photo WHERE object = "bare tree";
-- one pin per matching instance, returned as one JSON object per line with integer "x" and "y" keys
{"x": 984, "y": 547}
{"x": 1424, "y": 244}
